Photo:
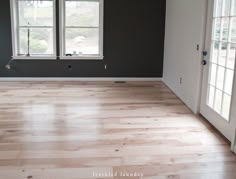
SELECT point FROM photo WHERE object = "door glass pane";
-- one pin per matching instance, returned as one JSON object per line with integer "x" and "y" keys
{"x": 217, "y": 29}
{"x": 229, "y": 81}
{"x": 231, "y": 56}
{"x": 233, "y": 7}
{"x": 211, "y": 96}
{"x": 215, "y": 51}
{"x": 226, "y": 10}
{"x": 220, "y": 77}
{"x": 226, "y": 106}
{"x": 222, "y": 57}
{"x": 225, "y": 31}
{"x": 233, "y": 30}
{"x": 218, "y": 100}
{"x": 218, "y": 8}
{"x": 213, "y": 74}
{"x": 223, "y": 54}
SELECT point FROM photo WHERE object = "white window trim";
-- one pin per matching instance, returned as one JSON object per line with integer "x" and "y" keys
{"x": 45, "y": 57}
{"x": 62, "y": 35}
{"x": 14, "y": 25}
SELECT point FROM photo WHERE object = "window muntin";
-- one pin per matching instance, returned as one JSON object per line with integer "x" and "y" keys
{"x": 222, "y": 59}
{"x": 82, "y": 29}
{"x": 34, "y": 30}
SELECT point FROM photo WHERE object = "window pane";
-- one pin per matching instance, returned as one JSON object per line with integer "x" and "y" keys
{"x": 215, "y": 52}
{"x": 41, "y": 41}
{"x": 226, "y": 11}
{"x": 213, "y": 74}
{"x": 217, "y": 27}
{"x": 220, "y": 77}
{"x": 223, "y": 54}
{"x": 233, "y": 30}
{"x": 231, "y": 56}
{"x": 83, "y": 41}
{"x": 234, "y": 7}
{"x": 226, "y": 106}
{"x": 218, "y": 8}
{"x": 225, "y": 32}
{"x": 36, "y": 13}
{"x": 82, "y": 13}
{"x": 218, "y": 101}
{"x": 211, "y": 96}
{"x": 229, "y": 81}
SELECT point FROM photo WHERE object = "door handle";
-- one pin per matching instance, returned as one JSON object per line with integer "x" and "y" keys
{"x": 204, "y": 53}
{"x": 204, "y": 62}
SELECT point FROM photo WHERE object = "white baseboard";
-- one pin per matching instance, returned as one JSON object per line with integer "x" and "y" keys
{"x": 9, "y": 79}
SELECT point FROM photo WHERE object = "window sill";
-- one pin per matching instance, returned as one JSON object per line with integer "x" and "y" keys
{"x": 61, "y": 58}
{"x": 34, "y": 57}
{"x": 82, "y": 57}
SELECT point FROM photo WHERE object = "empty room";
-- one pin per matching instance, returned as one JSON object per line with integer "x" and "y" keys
{"x": 117, "y": 89}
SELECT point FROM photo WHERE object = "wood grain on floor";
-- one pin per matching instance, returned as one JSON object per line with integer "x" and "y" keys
{"x": 86, "y": 130}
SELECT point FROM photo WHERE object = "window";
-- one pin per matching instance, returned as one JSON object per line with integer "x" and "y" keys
{"x": 222, "y": 59}
{"x": 33, "y": 29}
{"x": 81, "y": 29}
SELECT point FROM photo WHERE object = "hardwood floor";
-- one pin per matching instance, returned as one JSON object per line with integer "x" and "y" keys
{"x": 75, "y": 130}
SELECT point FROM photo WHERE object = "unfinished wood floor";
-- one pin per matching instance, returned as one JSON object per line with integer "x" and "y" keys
{"x": 73, "y": 130}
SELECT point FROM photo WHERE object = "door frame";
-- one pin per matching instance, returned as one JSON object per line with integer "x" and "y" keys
{"x": 221, "y": 125}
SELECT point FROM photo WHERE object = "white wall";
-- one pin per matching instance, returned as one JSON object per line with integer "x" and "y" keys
{"x": 185, "y": 28}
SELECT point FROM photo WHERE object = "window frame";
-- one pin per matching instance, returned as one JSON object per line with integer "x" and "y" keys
{"x": 63, "y": 31}
{"x": 15, "y": 31}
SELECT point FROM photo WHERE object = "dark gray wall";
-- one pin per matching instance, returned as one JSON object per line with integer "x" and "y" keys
{"x": 133, "y": 44}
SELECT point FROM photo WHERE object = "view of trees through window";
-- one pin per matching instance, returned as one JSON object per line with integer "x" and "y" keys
{"x": 38, "y": 17}
{"x": 82, "y": 27}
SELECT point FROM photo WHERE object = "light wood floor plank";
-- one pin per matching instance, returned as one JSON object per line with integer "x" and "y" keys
{"x": 80, "y": 130}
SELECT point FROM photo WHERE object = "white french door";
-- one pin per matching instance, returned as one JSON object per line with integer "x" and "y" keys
{"x": 218, "y": 76}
